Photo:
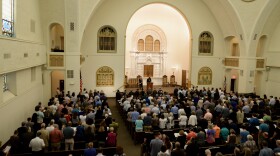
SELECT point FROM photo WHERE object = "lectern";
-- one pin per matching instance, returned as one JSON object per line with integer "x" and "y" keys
{"x": 150, "y": 85}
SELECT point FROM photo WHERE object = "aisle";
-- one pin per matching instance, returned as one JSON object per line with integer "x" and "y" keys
{"x": 124, "y": 138}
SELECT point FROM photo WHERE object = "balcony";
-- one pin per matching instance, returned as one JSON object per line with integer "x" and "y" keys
{"x": 232, "y": 62}
{"x": 56, "y": 60}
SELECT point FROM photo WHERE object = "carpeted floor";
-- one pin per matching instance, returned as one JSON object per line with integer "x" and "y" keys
{"x": 124, "y": 139}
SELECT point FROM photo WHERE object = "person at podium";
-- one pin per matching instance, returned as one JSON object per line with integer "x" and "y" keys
{"x": 149, "y": 80}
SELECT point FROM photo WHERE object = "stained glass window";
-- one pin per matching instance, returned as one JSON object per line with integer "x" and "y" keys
{"x": 8, "y": 17}
{"x": 5, "y": 85}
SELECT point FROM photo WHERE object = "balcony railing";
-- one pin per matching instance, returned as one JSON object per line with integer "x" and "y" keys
{"x": 56, "y": 60}
{"x": 232, "y": 62}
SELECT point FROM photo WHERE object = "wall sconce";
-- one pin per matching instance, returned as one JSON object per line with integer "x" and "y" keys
{"x": 267, "y": 68}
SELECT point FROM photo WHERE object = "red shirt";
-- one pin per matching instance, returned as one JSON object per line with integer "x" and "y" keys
{"x": 191, "y": 135}
{"x": 56, "y": 136}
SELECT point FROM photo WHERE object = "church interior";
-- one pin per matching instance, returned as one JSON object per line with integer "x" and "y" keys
{"x": 109, "y": 44}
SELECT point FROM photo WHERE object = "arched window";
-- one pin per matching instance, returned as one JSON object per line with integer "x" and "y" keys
{"x": 107, "y": 39}
{"x": 206, "y": 41}
{"x": 157, "y": 45}
{"x": 149, "y": 43}
{"x": 8, "y": 18}
{"x": 205, "y": 76}
{"x": 140, "y": 45}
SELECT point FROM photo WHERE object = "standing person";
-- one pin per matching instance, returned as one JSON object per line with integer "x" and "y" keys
{"x": 177, "y": 151}
{"x": 156, "y": 144}
{"x": 68, "y": 133}
{"x": 55, "y": 138}
{"x": 37, "y": 144}
{"x": 140, "y": 83}
{"x": 111, "y": 138}
{"x": 44, "y": 135}
{"x": 265, "y": 151}
{"x": 149, "y": 80}
{"x": 90, "y": 151}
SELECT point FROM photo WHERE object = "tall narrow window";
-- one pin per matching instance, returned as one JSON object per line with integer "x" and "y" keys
{"x": 107, "y": 40}
{"x": 5, "y": 85}
{"x": 206, "y": 43}
{"x": 149, "y": 43}
{"x": 140, "y": 45}
{"x": 157, "y": 45}
{"x": 8, "y": 18}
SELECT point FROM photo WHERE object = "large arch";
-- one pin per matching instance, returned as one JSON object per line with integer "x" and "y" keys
{"x": 168, "y": 25}
{"x": 197, "y": 14}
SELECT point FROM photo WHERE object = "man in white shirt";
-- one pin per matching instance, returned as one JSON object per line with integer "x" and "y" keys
{"x": 272, "y": 101}
{"x": 50, "y": 127}
{"x": 37, "y": 144}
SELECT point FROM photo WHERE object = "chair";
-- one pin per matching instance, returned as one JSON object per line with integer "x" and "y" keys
{"x": 172, "y": 81}
{"x": 164, "y": 81}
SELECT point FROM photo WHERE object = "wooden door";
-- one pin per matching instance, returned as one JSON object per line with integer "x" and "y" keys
{"x": 184, "y": 78}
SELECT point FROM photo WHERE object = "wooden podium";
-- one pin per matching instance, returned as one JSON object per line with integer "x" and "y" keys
{"x": 150, "y": 85}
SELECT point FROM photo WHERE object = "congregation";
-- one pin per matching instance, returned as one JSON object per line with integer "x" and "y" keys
{"x": 233, "y": 123}
{"x": 69, "y": 122}
{"x": 198, "y": 119}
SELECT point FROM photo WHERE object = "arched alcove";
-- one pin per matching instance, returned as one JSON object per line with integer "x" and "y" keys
{"x": 57, "y": 81}
{"x": 157, "y": 35}
{"x": 261, "y": 46}
{"x": 232, "y": 46}
{"x": 56, "y": 38}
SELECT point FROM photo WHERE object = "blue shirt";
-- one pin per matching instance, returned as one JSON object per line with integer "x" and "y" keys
{"x": 264, "y": 127}
{"x": 90, "y": 152}
{"x": 174, "y": 110}
{"x": 244, "y": 135}
{"x": 139, "y": 124}
{"x": 254, "y": 121}
{"x": 134, "y": 116}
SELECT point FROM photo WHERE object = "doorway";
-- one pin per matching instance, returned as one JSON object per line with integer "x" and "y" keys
{"x": 232, "y": 85}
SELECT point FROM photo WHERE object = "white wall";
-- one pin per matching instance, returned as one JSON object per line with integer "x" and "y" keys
{"x": 17, "y": 108}
{"x": 18, "y": 103}
{"x": 197, "y": 14}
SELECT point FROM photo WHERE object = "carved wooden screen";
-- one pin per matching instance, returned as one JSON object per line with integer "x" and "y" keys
{"x": 205, "y": 76}
{"x": 148, "y": 70}
{"x": 149, "y": 43}
{"x": 105, "y": 76}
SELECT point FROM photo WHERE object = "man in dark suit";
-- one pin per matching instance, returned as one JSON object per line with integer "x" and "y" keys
{"x": 140, "y": 83}
{"x": 149, "y": 80}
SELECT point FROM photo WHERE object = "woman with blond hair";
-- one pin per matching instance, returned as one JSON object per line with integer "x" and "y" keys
{"x": 251, "y": 144}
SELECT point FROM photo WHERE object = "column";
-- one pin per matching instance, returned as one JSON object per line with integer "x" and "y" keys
{"x": 72, "y": 45}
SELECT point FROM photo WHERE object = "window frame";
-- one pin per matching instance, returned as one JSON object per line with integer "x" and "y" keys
{"x": 11, "y": 32}
{"x": 203, "y": 39}
{"x": 114, "y": 37}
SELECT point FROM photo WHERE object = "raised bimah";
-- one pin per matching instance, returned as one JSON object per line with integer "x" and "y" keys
{"x": 150, "y": 85}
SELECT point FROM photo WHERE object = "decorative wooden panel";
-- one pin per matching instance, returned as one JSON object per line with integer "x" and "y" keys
{"x": 56, "y": 61}
{"x": 204, "y": 76}
{"x": 105, "y": 76}
{"x": 233, "y": 62}
{"x": 260, "y": 63}
{"x": 148, "y": 70}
